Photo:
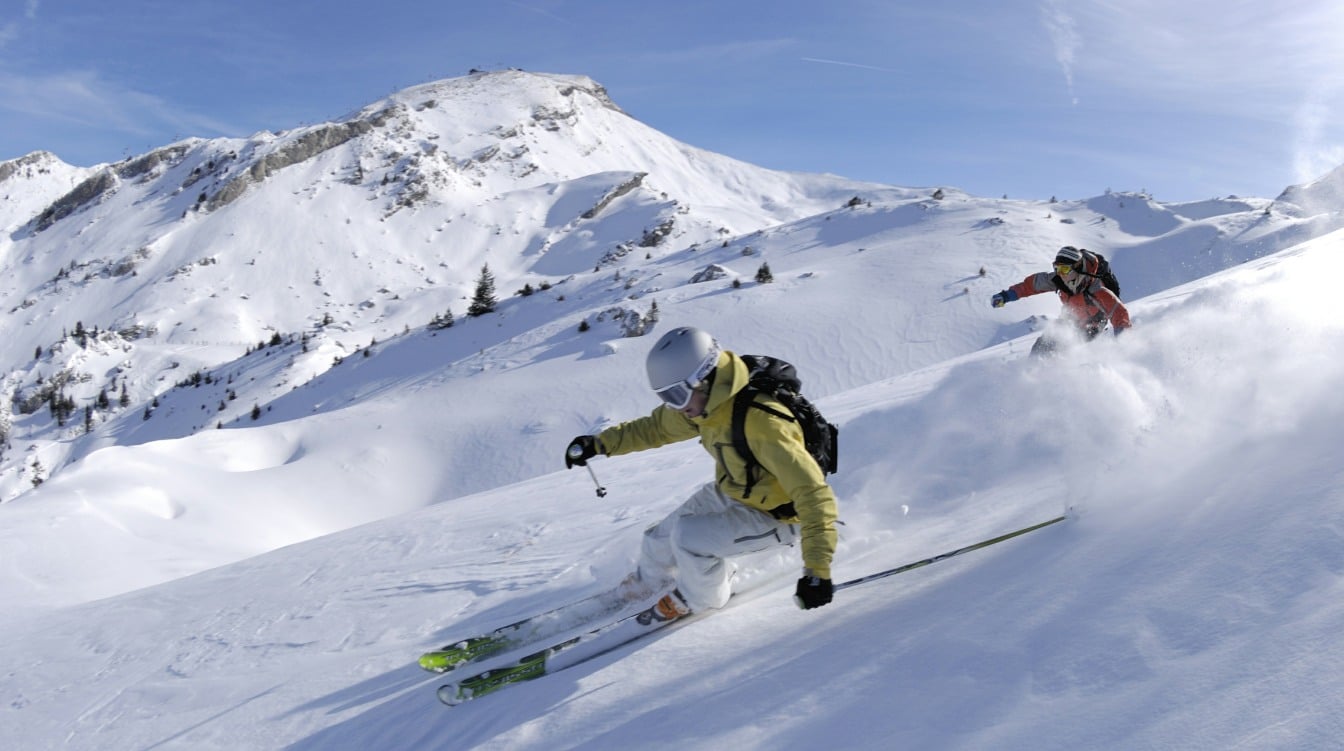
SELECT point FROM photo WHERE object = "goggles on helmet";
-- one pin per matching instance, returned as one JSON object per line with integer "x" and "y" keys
{"x": 678, "y": 395}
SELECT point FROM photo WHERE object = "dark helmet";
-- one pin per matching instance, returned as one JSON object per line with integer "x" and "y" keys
{"x": 1070, "y": 266}
{"x": 1069, "y": 255}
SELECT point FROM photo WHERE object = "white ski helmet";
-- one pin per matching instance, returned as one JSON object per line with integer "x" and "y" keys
{"x": 679, "y": 361}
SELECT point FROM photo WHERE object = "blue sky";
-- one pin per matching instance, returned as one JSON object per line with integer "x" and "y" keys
{"x": 1187, "y": 99}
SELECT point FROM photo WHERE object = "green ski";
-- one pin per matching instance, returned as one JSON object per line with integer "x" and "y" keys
{"x": 563, "y": 654}
{"x": 467, "y": 650}
{"x": 533, "y": 629}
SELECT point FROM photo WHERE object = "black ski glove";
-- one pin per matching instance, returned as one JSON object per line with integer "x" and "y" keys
{"x": 580, "y": 450}
{"x": 813, "y": 592}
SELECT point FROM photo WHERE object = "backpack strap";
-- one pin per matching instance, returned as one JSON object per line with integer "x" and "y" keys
{"x": 742, "y": 401}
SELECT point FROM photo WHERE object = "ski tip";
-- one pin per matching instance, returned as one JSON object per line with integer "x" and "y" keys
{"x": 436, "y": 662}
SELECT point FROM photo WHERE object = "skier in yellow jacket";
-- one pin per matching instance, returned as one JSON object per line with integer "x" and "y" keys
{"x": 691, "y": 548}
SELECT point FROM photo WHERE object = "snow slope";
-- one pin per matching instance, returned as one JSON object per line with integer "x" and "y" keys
{"x": 270, "y": 584}
{"x": 1195, "y": 602}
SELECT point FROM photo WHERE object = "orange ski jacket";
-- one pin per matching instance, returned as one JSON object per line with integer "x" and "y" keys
{"x": 1091, "y": 307}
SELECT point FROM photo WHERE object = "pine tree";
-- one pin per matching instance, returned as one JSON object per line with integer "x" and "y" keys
{"x": 444, "y": 321}
{"x": 62, "y": 406}
{"x": 484, "y": 300}
{"x": 763, "y": 274}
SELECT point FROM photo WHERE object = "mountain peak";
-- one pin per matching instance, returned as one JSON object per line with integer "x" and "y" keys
{"x": 511, "y": 86}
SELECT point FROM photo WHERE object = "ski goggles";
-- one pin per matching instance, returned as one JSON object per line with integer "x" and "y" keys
{"x": 678, "y": 395}
{"x": 1063, "y": 269}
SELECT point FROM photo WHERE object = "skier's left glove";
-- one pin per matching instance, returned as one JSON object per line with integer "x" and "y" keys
{"x": 580, "y": 450}
{"x": 813, "y": 591}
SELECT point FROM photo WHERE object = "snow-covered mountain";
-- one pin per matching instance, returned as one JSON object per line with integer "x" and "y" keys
{"x": 256, "y": 312}
{"x": 181, "y": 261}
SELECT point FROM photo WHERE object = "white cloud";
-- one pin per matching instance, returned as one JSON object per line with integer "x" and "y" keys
{"x": 1280, "y": 65}
{"x": 1064, "y": 36}
{"x": 1207, "y": 48}
{"x": 10, "y": 31}
{"x": 83, "y": 98}
{"x": 1314, "y": 153}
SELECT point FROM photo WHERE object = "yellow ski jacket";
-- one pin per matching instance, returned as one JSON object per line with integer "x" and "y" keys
{"x": 787, "y": 472}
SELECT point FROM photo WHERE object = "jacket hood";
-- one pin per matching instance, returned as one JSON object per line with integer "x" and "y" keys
{"x": 730, "y": 377}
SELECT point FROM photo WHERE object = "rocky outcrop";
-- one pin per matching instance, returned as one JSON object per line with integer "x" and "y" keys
{"x": 654, "y": 237}
{"x": 14, "y": 166}
{"x": 143, "y": 165}
{"x": 300, "y": 149}
{"x": 710, "y": 273}
{"x": 86, "y": 192}
{"x": 98, "y": 185}
{"x": 631, "y": 322}
{"x": 616, "y": 192}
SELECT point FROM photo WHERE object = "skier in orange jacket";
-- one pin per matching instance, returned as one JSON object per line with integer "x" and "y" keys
{"x": 1077, "y": 277}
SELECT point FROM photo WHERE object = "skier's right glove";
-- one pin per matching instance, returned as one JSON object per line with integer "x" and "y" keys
{"x": 580, "y": 450}
{"x": 1003, "y": 298}
{"x": 813, "y": 592}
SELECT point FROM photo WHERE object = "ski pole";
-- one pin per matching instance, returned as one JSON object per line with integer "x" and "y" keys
{"x": 577, "y": 453}
{"x": 944, "y": 556}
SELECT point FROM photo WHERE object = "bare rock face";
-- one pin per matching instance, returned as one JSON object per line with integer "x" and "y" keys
{"x": 86, "y": 192}
{"x": 300, "y": 149}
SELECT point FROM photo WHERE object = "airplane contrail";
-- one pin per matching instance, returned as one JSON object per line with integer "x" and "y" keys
{"x": 852, "y": 65}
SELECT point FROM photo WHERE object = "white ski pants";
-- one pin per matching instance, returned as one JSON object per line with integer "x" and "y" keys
{"x": 692, "y": 545}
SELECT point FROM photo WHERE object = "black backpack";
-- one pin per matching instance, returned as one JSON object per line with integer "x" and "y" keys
{"x": 779, "y": 379}
{"x": 1104, "y": 272}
